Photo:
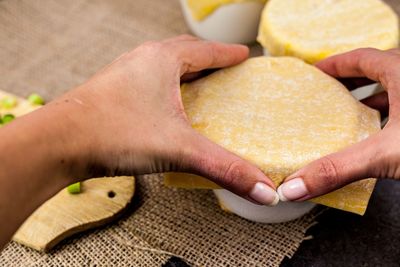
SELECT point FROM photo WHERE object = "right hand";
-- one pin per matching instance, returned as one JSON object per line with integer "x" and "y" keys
{"x": 377, "y": 156}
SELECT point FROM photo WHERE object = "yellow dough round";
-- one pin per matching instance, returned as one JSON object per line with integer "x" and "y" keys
{"x": 315, "y": 29}
{"x": 279, "y": 113}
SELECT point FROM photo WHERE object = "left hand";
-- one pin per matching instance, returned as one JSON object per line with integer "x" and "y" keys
{"x": 128, "y": 119}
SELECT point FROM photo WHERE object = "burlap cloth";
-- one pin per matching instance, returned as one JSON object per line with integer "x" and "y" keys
{"x": 50, "y": 46}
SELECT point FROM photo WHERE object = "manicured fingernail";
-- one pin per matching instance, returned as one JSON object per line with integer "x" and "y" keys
{"x": 292, "y": 190}
{"x": 264, "y": 194}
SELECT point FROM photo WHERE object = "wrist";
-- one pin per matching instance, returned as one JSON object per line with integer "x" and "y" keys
{"x": 52, "y": 141}
{"x": 39, "y": 149}
{"x": 69, "y": 138}
{"x": 39, "y": 157}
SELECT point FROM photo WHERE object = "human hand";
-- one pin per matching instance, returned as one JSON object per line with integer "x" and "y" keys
{"x": 131, "y": 120}
{"x": 377, "y": 156}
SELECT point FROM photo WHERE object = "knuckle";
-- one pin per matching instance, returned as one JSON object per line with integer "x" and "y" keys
{"x": 389, "y": 75}
{"x": 364, "y": 51}
{"x": 384, "y": 163}
{"x": 328, "y": 172}
{"x": 364, "y": 61}
{"x": 394, "y": 51}
{"x": 150, "y": 44}
{"x": 150, "y": 47}
{"x": 212, "y": 54}
{"x": 161, "y": 52}
{"x": 233, "y": 174}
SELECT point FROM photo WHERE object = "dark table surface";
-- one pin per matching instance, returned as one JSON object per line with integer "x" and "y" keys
{"x": 345, "y": 239}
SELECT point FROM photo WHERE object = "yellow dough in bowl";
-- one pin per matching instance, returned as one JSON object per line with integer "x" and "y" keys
{"x": 279, "y": 113}
{"x": 315, "y": 29}
{"x": 200, "y": 9}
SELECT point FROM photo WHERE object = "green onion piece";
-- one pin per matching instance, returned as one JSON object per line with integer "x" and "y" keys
{"x": 8, "y": 102}
{"x": 74, "y": 188}
{"x": 7, "y": 118}
{"x": 36, "y": 99}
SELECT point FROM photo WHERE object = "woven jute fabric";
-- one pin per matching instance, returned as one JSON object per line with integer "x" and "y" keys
{"x": 165, "y": 222}
{"x": 50, "y": 46}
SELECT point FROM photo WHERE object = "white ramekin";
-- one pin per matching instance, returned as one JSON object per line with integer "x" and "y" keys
{"x": 283, "y": 212}
{"x": 230, "y": 23}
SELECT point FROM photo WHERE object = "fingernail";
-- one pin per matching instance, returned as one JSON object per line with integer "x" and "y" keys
{"x": 292, "y": 190}
{"x": 264, "y": 194}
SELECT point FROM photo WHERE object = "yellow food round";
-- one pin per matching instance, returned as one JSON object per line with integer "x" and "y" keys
{"x": 279, "y": 113}
{"x": 315, "y": 29}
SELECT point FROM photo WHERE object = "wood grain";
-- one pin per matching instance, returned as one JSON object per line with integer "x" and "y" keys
{"x": 100, "y": 202}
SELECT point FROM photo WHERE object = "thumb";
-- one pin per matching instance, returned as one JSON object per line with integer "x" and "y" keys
{"x": 334, "y": 171}
{"x": 228, "y": 170}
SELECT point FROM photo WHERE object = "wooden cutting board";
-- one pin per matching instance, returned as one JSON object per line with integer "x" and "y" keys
{"x": 101, "y": 200}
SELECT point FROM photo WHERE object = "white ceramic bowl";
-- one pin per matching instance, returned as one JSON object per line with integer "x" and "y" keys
{"x": 283, "y": 212}
{"x": 230, "y": 23}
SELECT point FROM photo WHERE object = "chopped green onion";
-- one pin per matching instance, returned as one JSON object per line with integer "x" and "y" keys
{"x": 74, "y": 188}
{"x": 7, "y": 118}
{"x": 8, "y": 102}
{"x": 36, "y": 99}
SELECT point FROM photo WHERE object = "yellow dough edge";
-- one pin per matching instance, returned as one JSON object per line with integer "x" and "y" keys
{"x": 352, "y": 198}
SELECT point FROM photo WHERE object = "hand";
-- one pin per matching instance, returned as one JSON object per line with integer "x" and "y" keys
{"x": 379, "y": 155}
{"x": 128, "y": 119}
{"x": 131, "y": 118}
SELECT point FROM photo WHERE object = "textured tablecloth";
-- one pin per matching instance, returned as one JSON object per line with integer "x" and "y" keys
{"x": 50, "y": 46}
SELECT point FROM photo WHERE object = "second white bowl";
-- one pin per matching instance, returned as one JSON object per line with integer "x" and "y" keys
{"x": 230, "y": 23}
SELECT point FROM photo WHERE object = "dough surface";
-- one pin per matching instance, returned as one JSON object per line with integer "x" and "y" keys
{"x": 279, "y": 113}
{"x": 315, "y": 29}
{"x": 200, "y": 9}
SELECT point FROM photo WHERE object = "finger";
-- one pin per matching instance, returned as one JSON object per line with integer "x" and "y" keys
{"x": 366, "y": 62}
{"x": 228, "y": 170}
{"x": 183, "y": 37}
{"x": 394, "y": 51}
{"x": 354, "y": 83}
{"x": 379, "y": 102}
{"x": 334, "y": 171}
{"x": 200, "y": 55}
{"x": 189, "y": 77}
